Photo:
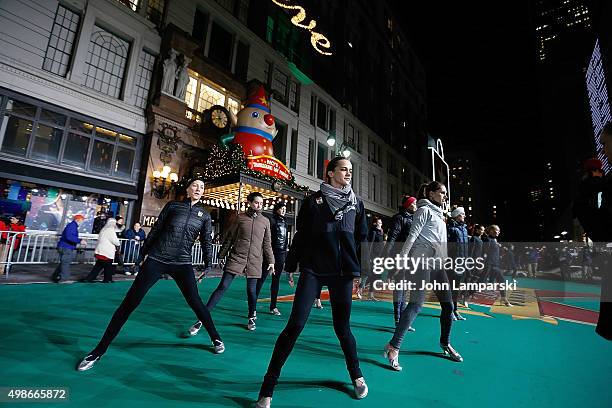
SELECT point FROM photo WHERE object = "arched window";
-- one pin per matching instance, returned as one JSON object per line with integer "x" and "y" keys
{"x": 106, "y": 62}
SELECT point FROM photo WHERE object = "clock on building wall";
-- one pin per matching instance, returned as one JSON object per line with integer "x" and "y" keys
{"x": 218, "y": 117}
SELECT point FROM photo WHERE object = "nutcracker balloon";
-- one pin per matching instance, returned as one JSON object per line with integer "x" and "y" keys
{"x": 255, "y": 131}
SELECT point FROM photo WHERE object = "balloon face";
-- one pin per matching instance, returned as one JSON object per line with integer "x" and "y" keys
{"x": 257, "y": 119}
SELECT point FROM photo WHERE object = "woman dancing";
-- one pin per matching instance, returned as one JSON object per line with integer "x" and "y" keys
{"x": 168, "y": 251}
{"x": 330, "y": 226}
{"x": 426, "y": 240}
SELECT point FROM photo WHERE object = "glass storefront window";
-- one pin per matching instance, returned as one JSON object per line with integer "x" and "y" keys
{"x": 17, "y": 135}
{"x": 47, "y": 143}
{"x": 52, "y": 117}
{"x": 101, "y": 157}
{"x": 124, "y": 161}
{"x": 47, "y": 208}
{"x": 20, "y": 108}
{"x": 75, "y": 152}
{"x": 106, "y": 134}
{"x": 35, "y": 132}
{"x": 125, "y": 139}
{"x": 80, "y": 126}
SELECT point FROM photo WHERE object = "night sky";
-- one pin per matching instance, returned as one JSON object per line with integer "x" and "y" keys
{"x": 484, "y": 93}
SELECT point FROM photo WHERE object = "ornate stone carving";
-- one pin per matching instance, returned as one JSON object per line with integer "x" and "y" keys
{"x": 168, "y": 141}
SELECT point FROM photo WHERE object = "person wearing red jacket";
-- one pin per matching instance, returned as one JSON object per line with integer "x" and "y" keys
{"x": 16, "y": 226}
{"x": 3, "y": 248}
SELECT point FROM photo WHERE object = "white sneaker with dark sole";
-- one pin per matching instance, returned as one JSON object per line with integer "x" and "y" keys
{"x": 251, "y": 325}
{"x": 361, "y": 388}
{"x": 193, "y": 330}
{"x": 275, "y": 312}
{"x": 219, "y": 346}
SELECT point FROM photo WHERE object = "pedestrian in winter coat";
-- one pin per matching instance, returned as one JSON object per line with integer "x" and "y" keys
{"x": 66, "y": 247}
{"x": 168, "y": 251}
{"x": 458, "y": 250}
{"x": 374, "y": 250}
{"x": 331, "y": 226}
{"x": 398, "y": 232}
{"x": 246, "y": 246}
{"x": 427, "y": 240}
{"x": 493, "y": 260}
{"x": 136, "y": 238}
{"x": 105, "y": 252}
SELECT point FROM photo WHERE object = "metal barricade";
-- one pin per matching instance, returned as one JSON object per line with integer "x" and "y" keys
{"x": 40, "y": 247}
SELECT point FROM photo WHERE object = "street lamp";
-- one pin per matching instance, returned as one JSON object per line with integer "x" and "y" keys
{"x": 563, "y": 232}
{"x": 163, "y": 182}
{"x": 331, "y": 139}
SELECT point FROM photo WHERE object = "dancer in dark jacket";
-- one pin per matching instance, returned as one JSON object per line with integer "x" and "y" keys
{"x": 280, "y": 241}
{"x": 398, "y": 232}
{"x": 375, "y": 248}
{"x": 331, "y": 225}
{"x": 168, "y": 251}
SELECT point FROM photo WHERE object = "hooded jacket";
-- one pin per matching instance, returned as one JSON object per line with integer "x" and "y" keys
{"x": 428, "y": 228}
{"x": 248, "y": 244}
{"x": 107, "y": 240}
{"x": 172, "y": 236}
{"x": 398, "y": 232}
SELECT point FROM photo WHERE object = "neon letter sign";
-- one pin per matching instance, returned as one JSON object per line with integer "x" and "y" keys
{"x": 316, "y": 39}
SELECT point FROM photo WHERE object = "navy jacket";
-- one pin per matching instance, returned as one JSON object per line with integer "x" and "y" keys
{"x": 457, "y": 239}
{"x": 323, "y": 245}
{"x": 491, "y": 250}
{"x": 172, "y": 236}
{"x": 70, "y": 236}
{"x": 398, "y": 232}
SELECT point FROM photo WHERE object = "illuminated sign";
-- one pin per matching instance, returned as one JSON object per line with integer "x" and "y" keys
{"x": 598, "y": 99}
{"x": 148, "y": 220}
{"x": 316, "y": 39}
{"x": 268, "y": 165}
{"x": 439, "y": 168}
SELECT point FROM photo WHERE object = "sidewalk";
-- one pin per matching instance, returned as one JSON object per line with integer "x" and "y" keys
{"x": 21, "y": 274}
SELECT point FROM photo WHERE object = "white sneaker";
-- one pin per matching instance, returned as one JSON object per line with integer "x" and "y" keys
{"x": 275, "y": 311}
{"x": 87, "y": 363}
{"x": 263, "y": 402}
{"x": 251, "y": 325}
{"x": 193, "y": 330}
{"x": 317, "y": 304}
{"x": 219, "y": 346}
{"x": 361, "y": 388}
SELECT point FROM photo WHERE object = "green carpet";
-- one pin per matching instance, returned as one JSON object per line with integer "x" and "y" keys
{"x": 46, "y": 329}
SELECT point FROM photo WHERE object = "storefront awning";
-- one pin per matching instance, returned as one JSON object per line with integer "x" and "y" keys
{"x": 227, "y": 192}
{"x": 53, "y": 178}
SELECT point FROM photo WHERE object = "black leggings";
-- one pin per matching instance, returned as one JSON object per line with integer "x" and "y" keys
{"x": 275, "y": 285}
{"x": 149, "y": 274}
{"x": 226, "y": 281}
{"x": 340, "y": 294}
{"x": 100, "y": 265}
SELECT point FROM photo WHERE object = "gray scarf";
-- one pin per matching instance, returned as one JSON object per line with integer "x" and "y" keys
{"x": 340, "y": 200}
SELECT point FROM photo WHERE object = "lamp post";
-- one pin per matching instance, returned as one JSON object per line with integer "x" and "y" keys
{"x": 163, "y": 182}
{"x": 343, "y": 150}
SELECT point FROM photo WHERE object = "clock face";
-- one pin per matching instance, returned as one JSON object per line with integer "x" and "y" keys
{"x": 219, "y": 118}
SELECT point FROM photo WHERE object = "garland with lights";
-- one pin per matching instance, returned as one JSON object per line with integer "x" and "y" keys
{"x": 228, "y": 160}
